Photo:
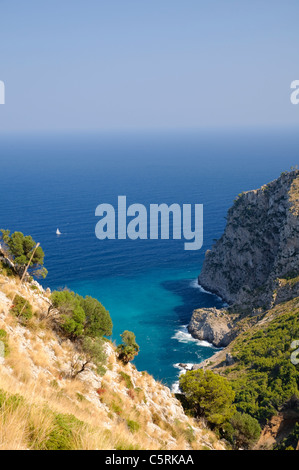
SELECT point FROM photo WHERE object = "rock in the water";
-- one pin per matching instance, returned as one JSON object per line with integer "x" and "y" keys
{"x": 185, "y": 366}
{"x": 212, "y": 325}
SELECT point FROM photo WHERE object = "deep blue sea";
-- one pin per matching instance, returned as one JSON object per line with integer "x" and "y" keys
{"x": 148, "y": 286}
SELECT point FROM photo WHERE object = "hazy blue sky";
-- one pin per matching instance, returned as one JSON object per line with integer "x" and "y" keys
{"x": 106, "y": 64}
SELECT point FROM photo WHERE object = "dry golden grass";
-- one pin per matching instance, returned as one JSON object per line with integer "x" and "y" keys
{"x": 112, "y": 418}
{"x": 41, "y": 401}
{"x": 29, "y": 424}
{"x": 12, "y": 428}
{"x": 58, "y": 350}
{"x": 20, "y": 364}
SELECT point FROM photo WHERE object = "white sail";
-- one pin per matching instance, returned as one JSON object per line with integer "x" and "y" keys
{"x": 58, "y": 232}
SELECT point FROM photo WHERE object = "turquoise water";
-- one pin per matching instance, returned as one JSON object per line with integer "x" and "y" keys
{"x": 149, "y": 286}
{"x": 156, "y": 306}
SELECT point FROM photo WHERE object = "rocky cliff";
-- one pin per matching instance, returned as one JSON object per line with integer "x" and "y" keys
{"x": 255, "y": 264}
{"x": 212, "y": 325}
{"x": 254, "y": 267}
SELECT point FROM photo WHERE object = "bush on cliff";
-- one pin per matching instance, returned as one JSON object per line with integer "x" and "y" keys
{"x": 21, "y": 308}
{"x": 91, "y": 351}
{"x": 4, "y": 347}
{"x": 98, "y": 321}
{"x": 19, "y": 249}
{"x": 208, "y": 395}
{"x": 242, "y": 431}
{"x": 81, "y": 316}
{"x": 129, "y": 348}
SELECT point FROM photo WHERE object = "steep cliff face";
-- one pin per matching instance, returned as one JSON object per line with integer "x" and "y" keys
{"x": 256, "y": 261}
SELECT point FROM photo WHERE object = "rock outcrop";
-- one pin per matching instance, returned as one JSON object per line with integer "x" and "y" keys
{"x": 212, "y": 325}
{"x": 255, "y": 264}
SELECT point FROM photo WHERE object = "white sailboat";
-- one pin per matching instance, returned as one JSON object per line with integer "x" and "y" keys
{"x": 58, "y": 232}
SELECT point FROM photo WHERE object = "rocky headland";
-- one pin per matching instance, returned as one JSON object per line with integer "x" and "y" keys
{"x": 255, "y": 264}
{"x": 254, "y": 268}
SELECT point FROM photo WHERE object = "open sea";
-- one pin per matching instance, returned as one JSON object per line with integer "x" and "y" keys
{"x": 148, "y": 286}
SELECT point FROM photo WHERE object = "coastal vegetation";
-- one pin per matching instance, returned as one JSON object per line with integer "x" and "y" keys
{"x": 23, "y": 251}
{"x": 263, "y": 376}
{"x": 65, "y": 386}
{"x": 80, "y": 316}
{"x": 260, "y": 381}
{"x": 248, "y": 395}
{"x": 211, "y": 396}
{"x": 21, "y": 308}
{"x": 254, "y": 266}
{"x": 128, "y": 349}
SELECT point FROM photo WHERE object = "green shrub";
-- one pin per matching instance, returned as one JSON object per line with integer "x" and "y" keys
{"x": 9, "y": 400}
{"x": 93, "y": 350}
{"x": 133, "y": 425}
{"x": 264, "y": 377}
{"x": 208, "y": 395}
{"x": 123, "y": 445}
{"x": 243, "y": 431}
{"x": 98, "y": 321}
{"x": 129, "y": 348}
{"x": 127, "y": 379}
{"x": 6, "y": 270}
{"x": 116, "y": 408}
{"x": 101, "y": 370}
{"x": 21, "y": 308}
{"x": 4, "y": 340}
{"x": 81, "y": 316}
{"x": 20, "y": 249}
{"x": 65, "y": 433}
{"x": 80, "y": 397}
{"x": 189, "y": 434}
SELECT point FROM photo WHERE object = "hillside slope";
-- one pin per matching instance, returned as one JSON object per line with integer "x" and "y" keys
{"x": 42, "y": 407}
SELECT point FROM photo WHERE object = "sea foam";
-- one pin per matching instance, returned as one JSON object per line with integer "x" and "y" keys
{"x": 182, "y": 335}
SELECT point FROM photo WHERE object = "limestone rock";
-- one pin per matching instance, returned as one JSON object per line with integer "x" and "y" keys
{"x": 212, "y": 325}
{"x": 259, "y": 247}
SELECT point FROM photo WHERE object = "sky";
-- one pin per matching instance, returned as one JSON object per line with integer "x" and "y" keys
{"x": 85, "y": 65}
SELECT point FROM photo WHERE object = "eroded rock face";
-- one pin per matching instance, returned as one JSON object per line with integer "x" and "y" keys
{"x": 212, "y": 325}
{"x": 260, "y": 245}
